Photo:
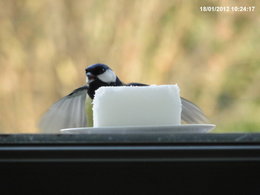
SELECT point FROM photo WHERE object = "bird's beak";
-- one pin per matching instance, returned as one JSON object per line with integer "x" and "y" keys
{"x": 90, "y": 77}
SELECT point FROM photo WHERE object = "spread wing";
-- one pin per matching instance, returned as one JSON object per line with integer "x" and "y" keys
{"x": 192, "y": 113}
{"x": 68, "y": 112}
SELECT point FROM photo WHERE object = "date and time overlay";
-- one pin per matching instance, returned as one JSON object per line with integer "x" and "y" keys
{"x": 229, "y": 6}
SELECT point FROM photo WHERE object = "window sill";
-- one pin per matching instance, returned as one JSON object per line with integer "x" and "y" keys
{"x": 169, "y": 162}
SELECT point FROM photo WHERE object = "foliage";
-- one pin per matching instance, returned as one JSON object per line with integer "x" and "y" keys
{"x": 213, "y": 56}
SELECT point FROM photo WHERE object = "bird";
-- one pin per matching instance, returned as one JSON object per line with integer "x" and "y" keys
{"x": 71, "y": 110}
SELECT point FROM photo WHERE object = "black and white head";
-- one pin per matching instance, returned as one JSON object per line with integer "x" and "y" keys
{"x": 99, "y": 75}
{"x": 100, "y": 72}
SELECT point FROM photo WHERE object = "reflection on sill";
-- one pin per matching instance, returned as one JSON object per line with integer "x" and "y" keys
{"x": 177, "y": 138}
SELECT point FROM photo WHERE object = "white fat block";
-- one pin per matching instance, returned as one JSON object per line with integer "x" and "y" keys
{"x": 137, "y": 106}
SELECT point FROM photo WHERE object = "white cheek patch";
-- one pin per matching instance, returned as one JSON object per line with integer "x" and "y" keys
{"x": 107, "y": 77}
{"x": 88, "y": 81}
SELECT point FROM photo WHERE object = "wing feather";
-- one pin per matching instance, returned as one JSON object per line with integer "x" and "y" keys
{"x": 68, "y": 112}
{"x": 192, "y": 113}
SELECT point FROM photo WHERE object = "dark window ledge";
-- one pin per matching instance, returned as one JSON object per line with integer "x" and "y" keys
{"x": 129, "y": 148}
{"x": 179, "y": 163}
{"x": 131, "y": 139}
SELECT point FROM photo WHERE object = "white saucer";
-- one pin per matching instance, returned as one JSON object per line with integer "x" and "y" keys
{"x": 189, "y": 128}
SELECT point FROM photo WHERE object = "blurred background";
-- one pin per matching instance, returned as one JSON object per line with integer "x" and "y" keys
{"x": 214, "y": 57}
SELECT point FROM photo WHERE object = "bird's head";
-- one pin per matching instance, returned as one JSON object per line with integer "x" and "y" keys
{"x": 99, "y": 75}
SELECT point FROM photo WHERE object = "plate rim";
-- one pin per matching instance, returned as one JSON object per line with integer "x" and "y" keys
{"x": 137, "y": 127}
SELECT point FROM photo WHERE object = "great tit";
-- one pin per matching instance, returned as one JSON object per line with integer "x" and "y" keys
{"x": 71, "y": 110}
